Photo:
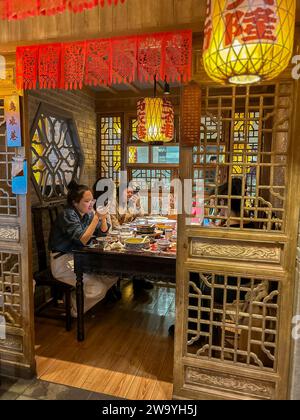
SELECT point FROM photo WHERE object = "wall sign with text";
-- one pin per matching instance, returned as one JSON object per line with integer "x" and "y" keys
{"x": 13, "y": 121}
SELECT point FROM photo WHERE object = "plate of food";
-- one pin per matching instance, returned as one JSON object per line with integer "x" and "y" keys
{"x": 137, "y": 243}
{"x": 102, "y": 242}
{"x": 145, "y": 229}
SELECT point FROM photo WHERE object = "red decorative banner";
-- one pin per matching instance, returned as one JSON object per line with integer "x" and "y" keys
{"x": 106, "y": 61}
{"x": 22, "y": 9}
{"x": 73, "y": 62}
{"x": 49, "y": 66}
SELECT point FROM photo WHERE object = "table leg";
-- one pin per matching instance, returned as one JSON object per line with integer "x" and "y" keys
{"x": 80, "y": 305}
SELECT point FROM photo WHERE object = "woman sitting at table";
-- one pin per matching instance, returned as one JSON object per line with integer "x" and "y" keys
{"x": 72, "y": 230}
{"x": 119, "y": 217}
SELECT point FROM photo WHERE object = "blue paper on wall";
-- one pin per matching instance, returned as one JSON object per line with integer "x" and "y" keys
{"x": 19, "y": 181}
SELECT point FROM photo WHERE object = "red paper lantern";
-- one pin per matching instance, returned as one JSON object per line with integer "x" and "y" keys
{"x": 155, "y": 120}
{"x": 247, "y": 41}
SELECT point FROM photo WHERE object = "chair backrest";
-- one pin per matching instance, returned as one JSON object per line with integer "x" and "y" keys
{"x": 42, "y": 213}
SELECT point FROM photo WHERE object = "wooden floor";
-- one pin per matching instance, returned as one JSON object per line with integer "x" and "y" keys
{"x": 127, "y": 352}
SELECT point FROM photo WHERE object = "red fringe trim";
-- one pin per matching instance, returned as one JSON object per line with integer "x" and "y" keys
{"x": 22, "y": 9}
{"x": 106, "y": 61}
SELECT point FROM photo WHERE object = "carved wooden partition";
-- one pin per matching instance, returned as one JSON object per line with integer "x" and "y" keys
{"x": 16, "y": 312}
{"x": 235, "y": 270}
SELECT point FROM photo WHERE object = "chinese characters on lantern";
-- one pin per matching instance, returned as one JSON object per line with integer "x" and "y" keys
{"x": 141, "y": 114}
{"x": 155, "y": 120}
{"x": 167, "y": 129}
{"x": 12, "y": 119}
{"x": 208, "y": 26}
{"x": 250, "y": 21}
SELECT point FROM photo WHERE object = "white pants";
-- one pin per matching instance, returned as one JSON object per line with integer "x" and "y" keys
{"x": 95, "y": 286}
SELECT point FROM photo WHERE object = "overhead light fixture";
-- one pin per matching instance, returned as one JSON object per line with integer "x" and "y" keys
{"x": 247, "y": 41}
{"x": 166, "y": 87}
{"x": 155, "y": 119}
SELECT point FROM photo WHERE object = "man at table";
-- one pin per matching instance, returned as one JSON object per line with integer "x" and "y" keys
{"x": 134, "y": 208}
{"x": 118, "y": 217}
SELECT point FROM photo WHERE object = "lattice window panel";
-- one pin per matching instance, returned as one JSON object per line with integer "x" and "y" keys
{"x": 246, "y": 130}
{"x": 209, "y": 155}
{"x": 8, "y": 200}
{"x": 233, "y": 319}
{"x": 147, "y": 174}
{"x": 148, "y": 177}
{"x": 56, "y": 154}
{"x": 245, "y": 148}
{"x": 133, "y": 130}
{"x": 111, "y": 146}
{"x": 10, "y": 288}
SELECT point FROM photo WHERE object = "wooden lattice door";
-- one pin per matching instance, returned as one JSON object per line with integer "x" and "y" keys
{"x": 16, "y": 286}
{"x": 235, "y": 270}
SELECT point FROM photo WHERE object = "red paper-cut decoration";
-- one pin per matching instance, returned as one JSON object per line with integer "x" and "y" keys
{"x": 106, "y": 61}
{"x": 73, "y": 65}
{"x": 98, "y": 63}
{"x": 124, "y": 63}
{"x": 26, "y": 68}
{"x": 49, "y": 66}
{"x": 178, "y": 56}
{"x": 22, "y": 9}
{"x": 150, "y": 58}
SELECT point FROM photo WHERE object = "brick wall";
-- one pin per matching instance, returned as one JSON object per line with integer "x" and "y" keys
{"x": 82, "y": 106}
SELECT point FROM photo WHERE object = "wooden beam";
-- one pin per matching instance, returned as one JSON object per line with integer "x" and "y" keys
{"x": 134, "y": 89}
{"x": 110, "y": 90}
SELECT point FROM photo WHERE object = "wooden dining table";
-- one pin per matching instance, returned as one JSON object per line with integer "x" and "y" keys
{"x": 140, "y": 263}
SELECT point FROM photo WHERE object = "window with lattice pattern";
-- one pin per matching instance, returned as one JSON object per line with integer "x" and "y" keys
{"x": 242, "y": 156}
{"x": 57, "y": 157}
{"x": 111, "y": 134}
{"x": 233, "y": 319}
{"x": 150, "y": 164}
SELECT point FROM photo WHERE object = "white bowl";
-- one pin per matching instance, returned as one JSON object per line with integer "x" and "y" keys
{"x": 163, "y": 244}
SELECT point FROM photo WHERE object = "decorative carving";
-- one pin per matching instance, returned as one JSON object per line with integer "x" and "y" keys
{"x": 11, "y": 288}
{"x": 12, "y": 343}
{"x": 9, "y": 233}
{"x": 230, "y": 383}
{"x": 231, "y": 251}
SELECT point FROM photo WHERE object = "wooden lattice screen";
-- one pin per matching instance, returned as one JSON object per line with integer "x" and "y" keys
{"x": 234, "y": 295}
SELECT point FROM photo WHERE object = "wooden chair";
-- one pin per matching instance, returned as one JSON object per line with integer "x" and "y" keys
{"x": 44, "y": 277}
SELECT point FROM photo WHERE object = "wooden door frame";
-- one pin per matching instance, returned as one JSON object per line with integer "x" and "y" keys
{"x": 22, "y": 362}
{"x": 285, "y": 273}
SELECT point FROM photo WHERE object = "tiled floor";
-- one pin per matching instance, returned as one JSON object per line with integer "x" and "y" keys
{"x": 35, "y": 389}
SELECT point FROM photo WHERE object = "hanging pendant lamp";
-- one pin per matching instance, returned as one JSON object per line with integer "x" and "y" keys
{"x": 247, "y": 41}
{"x": 155, "y": 119}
